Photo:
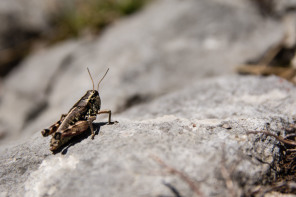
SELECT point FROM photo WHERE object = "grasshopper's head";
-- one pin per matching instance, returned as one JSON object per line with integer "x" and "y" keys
{"x": 94, "y": 96}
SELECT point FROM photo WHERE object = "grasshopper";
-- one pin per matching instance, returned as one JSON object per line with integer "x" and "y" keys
{"x": 78, "y": 119}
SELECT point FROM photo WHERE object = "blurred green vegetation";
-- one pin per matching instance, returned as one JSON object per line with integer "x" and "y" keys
{"x": 75, "y": 17}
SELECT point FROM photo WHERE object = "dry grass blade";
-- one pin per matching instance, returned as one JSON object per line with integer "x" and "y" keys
{"x": 278, "y": 186}
{"x": 291, "y": 150}
{"x": 182, "y": 175}
{"x": 229, "y": 183}
{"x": 279, "y": 138}
{"x": 226, "y": 174}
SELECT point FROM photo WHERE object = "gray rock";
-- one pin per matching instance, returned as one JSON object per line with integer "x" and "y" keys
{"x": 21, "y": 23}
{"x": 24, "y": 14}
{"x": 192, "y": 113}
{"x": 25, "y": 93}
{"x": 184, "y": 129}
{"x": 152, "y": 53}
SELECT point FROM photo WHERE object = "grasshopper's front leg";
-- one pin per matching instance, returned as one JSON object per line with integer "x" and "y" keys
{"x": 53, "y": 128}
{"x": 90, "y": 120}
{"x": 106, "y": 111}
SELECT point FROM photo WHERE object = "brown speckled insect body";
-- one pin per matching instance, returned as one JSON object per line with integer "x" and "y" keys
{"x": 78, "y": 119}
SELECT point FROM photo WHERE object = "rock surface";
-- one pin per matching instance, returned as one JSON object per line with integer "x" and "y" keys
{"x": 149, "y": 54}
{"x": 192, "y": 112}
{"x": 21, "y": 23}
{"x": 186, "y": 129}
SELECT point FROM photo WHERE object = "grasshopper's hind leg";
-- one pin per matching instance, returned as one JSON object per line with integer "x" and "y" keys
{"x": 76, "y": 129}
{"x": 53, "y": 128}
{"x": 60, "y": 138}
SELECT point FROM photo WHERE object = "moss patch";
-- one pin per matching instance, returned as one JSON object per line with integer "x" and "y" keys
{"x": 73, "y": 19}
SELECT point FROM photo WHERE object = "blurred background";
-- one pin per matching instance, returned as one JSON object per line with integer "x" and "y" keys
{"x": 152, "y": 47}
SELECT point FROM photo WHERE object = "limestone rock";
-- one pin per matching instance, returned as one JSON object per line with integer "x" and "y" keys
{"x": 119, "y": 161}
{"x": 21, "y": 23}
{"x": 152, "y": 53}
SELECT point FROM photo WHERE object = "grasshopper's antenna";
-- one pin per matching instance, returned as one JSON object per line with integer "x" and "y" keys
{"x": 91, "y": 79}
{"x": 102, "y": 78}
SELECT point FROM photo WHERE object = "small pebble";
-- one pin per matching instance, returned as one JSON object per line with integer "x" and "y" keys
{"x": 226, "y": 126}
